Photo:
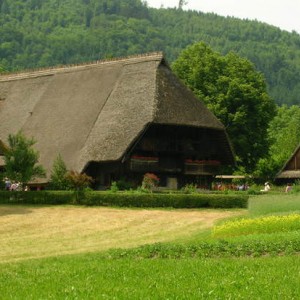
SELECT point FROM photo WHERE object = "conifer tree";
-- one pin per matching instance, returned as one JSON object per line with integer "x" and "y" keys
{"x": 58, "y": 180}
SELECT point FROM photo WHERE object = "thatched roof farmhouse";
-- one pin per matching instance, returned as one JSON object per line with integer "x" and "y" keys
{"x": 291, "y": 169}
{"x": 115, "y": 119}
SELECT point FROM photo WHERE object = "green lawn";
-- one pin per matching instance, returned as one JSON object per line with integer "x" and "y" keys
{"x": 254, "y": 266}
{"x": 274, "y": 204}
{"x": 94, "y": 277}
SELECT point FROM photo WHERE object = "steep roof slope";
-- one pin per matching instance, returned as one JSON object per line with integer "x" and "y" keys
{"x": 95, "y": 112}
{"x": 291, "y": 168}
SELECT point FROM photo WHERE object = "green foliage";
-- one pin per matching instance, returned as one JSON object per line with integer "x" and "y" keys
{"x": 114, "y": 187}
{"x": 21, "y": 159}
{"x": 189, "y": 188}
{"x": 259, "y": 245}
{"x": 2, "y": 70}
{"x": 58, "y": 180}
{"x": 165, "y": 200}
{"x": 123, "y": 184}
{"x": 78, "y": 181}
{"x": 37, "y": 198}
{"x": 235, "y": 92}
{"x": 283, "y": 135}
{"x": 126, "y": 199}
{"x": 296, "y": 187}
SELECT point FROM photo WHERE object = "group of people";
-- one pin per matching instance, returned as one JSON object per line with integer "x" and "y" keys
{"x": 244, "y": 187}
{"x": 12, "y": 185}
{"x": 219, "y": 186}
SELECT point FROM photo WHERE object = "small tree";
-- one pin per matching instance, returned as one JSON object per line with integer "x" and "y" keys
{"x": 21, "y": 159}
{"x": 78, "y": 182}
{"x": 58, "y": 179}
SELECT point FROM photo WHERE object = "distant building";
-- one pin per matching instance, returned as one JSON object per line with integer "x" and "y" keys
{"x": 291, "y": 169}
{"x": 116, "y": 119}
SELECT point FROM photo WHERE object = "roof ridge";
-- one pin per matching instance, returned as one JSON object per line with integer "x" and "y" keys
{"x": 65, "y": 68}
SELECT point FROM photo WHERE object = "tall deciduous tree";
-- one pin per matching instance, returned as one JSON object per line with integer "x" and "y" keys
{"x": 235, "y": 92}
{"x": 21, "y": 159}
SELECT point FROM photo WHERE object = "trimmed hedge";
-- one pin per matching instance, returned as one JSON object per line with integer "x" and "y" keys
{"x": 126, "y": 199}
{"x": 165, "y": 200}
{"x": 40, "y": 197}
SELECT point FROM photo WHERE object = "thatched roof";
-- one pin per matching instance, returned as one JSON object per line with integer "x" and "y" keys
{"x": 289, "y": 174}
{"x": 2, "y": 162}
{"x": 95, "y": 112}
{"x": 290, "y": 169}
{"x": 3, "y": 148}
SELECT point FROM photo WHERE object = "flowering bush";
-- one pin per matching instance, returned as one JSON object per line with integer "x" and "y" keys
{"x": 150, "y": 181}
{"x": 269, "y": 224}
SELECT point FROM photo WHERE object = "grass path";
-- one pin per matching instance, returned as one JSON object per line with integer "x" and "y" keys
{"x": 35, "y": 232}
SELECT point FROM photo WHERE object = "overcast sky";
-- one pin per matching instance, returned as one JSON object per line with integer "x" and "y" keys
{"x": 281, "y": 13}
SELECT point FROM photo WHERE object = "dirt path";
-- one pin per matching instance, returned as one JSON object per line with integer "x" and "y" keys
{"x": 31, "y": 232}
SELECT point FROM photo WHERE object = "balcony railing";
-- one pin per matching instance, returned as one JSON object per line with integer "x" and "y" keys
{"x": 191, "y": 167}
{"x": 144, "y": 164}
{"x": 201, "y": 167}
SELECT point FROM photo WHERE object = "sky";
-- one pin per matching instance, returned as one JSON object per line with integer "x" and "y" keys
{"x": 284, "y": 14}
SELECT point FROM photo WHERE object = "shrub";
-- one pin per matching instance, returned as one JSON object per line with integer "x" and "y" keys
{"x": 125, "y": 199}
{"x": 261, "y": 245}
{"x": 189, "y": 188}
{"x": 34, "y": 197}
{"x": 114, "y": 187}
{"x": 228, "y": 201}
{"x": 165, "y": 200}
{"x": 124, "y": 185}
{"x": 150, "y": 181}
{"x": 78, "y": 181}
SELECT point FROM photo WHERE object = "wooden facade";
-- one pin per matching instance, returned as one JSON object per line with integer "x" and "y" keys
{"x": 178, "y": 155}
{"x": 291, "y": 170}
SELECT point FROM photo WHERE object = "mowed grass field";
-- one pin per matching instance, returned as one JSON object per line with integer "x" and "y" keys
{"x": 35, "y": 232}
{"x": 61, "y": 253}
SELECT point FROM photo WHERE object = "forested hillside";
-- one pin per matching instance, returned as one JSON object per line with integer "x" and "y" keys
{"x": 35, "y": 33}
